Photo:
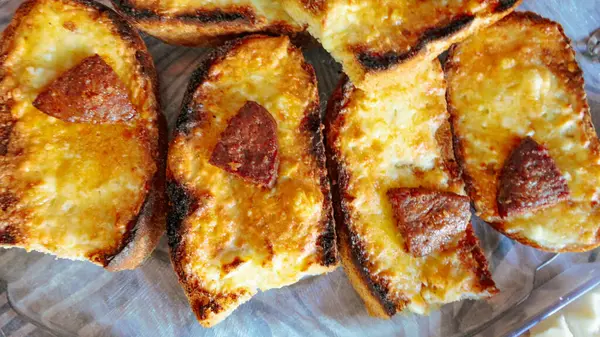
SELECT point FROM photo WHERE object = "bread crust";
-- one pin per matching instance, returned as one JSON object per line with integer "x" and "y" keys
{"x": 575, "y": 84}
{"x": 145, "y": 230}
{"x": 202, "y": 27}
{"x": 182, "y": 202}
{"x": 373, "y": 291}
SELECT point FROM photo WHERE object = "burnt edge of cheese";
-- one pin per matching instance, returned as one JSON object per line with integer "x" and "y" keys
{"x": 222, "y": 25}
{"x": 428, "y": 219}
{"x": 248, "y": 147}
{"x": 242, "y": 14}
{"x": 530, "y": 180}
{"x": 374, "y": 61}
{"x": 377, "y": 61}
{"x": 90, "y": 92}
{"x": 143, "y": 234}
{"x": 183, "y": 201}
{"x": 352, "y": 246}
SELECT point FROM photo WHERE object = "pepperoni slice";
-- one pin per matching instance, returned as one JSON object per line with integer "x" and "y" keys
{"x": 530, "y": 180}
{"x": 91, "y": 92}
{"x": 248, "y": 147}
{"x": 428, "y": 219}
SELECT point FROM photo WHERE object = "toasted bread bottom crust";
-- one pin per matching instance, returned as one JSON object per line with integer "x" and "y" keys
{"x": 202, "y": 27}
{"x": 145, "y": 230}
{"x": 576, "y": 85}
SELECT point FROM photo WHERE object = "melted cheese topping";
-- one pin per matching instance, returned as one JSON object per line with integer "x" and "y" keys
{"x": 78, "y": 185}
{"x": 514, "y": 80}
{"x": 388, "y": 140}
{"x": 346, "y": 27}
{"x": 266, "y": 10}
{"x": 271, "y": 233}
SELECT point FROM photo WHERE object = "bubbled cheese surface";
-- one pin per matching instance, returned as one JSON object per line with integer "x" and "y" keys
{"x": 516, "y": 79}
{"x": 346, "y": 27}
{"x": 245, "y": 237}
{"x": 77, "y": 185}
{"x": 388, "y": 140}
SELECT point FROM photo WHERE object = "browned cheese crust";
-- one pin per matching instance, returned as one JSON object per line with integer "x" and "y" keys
{"x": 147, "y": 226}
{"x": 210, "y": 306}
{"x": 377, "y": 293}
{"x": 202, "y": 26}
{"x": 557, "y": 56}
{"x": 377, "y": 41}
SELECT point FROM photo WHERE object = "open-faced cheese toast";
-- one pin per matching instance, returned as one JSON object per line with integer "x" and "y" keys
{"x": 401, "y": 214}
{"x": 81, "y": 158}
{"x": 206, "y": 22}
{"x": 250, "y": 207}
{"x": 378, "y": 40}
{"x": 524, "y": 135}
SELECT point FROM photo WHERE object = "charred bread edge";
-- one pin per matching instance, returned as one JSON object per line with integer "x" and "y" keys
{"x": 576, "y": 86}
{"x": 182, "y": 202}
{"x": 375, "y": 292}
{"x": 376, "y": 63}
{"x": 230, "y": 24}
{"x": 144, "y": 231}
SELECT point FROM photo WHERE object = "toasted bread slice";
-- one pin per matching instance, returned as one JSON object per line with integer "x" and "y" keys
{"x": 523, "y": 129}
{"x": 402, "y": 218}
{"x": 232, "y": 231}
{"x": 376, "y": 41}
{"x": 204, "y": 22}
{"x": 82, "y": 141}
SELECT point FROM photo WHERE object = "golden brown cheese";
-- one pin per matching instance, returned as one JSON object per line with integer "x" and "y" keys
{"x": 515, "y": 79}
{"x": 243, "y": 237}
{"x": 74, "y": 189}
{"x": 377, "y": 40}
{"x": 388, "y": 139}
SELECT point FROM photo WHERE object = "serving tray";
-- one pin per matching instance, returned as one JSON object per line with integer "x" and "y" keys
{"x": 43, "y": 296}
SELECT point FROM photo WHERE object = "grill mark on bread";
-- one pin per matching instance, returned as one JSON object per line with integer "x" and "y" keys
{"x": 212, "y": 26}
{"x": 504, "y": 5}
{"x": 384, "y": 61}
{"x": 182, "y": 202}
{"x": 232, "y": 14}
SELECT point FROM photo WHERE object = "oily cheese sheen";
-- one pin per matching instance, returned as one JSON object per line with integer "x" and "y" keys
{"x": 230, "y": 237}
{"x": 519, "y": 79}
{"x": 72, "y": 189}
{"x": 377, "y": 141}
{"x": 377, "y": 40}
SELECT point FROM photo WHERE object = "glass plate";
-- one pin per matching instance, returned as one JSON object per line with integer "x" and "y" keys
{"x": 42, "y": 296}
